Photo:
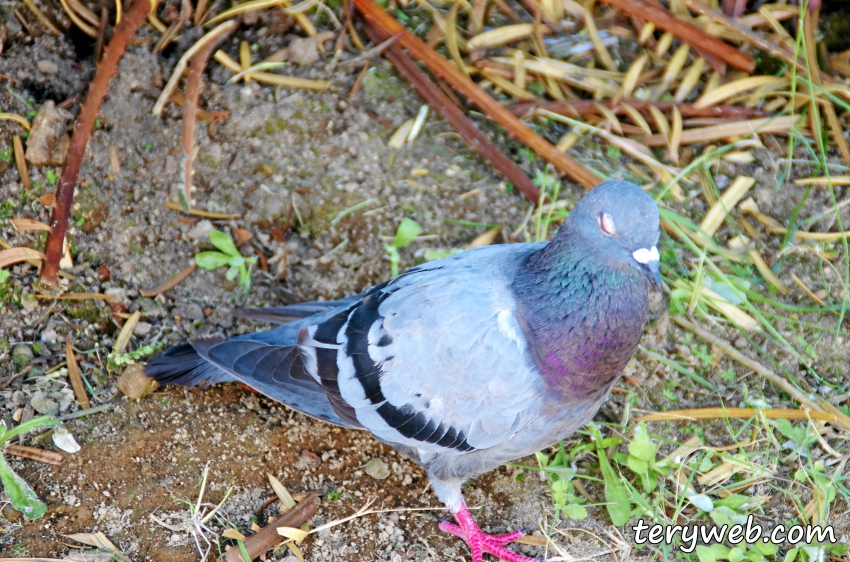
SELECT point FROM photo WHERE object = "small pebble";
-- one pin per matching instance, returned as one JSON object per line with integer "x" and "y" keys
{"x": 47, "y": 67}
{"x": 377, "y": 469}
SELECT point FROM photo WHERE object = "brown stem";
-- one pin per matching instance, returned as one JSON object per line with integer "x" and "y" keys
{"x": 687, "y": 32}
{"x": 268, "y": 538}
{"x": 190, "y": 113}
{"x": 437, "y": 99}
{"x": 80, "y": 138}
{"x": 389, "y": 27}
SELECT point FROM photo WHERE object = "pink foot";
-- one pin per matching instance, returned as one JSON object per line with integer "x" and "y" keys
{"x": 480, "y": 542}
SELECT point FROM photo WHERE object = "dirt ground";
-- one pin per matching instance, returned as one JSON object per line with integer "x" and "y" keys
{"x": 319, "y": 154}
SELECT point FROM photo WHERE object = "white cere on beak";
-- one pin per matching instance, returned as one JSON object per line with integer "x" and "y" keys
{"x": 645, "y": 256}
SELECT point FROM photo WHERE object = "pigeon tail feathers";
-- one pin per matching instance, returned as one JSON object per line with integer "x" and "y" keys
{"x": 185, "y": 365}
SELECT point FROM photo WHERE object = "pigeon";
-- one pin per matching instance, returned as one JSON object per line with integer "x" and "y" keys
{"x": 464, "y": 363}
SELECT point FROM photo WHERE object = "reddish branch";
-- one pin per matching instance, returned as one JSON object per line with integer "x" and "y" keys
{"x": 82, "y": 131}
{"x": 583, "y": 108}
{"x": 437, "y": 99}
{"x": 268, "y": 538}
{"x": 687, "y": 32}
{"x": 389, "y": 27}
{"x": 190, "y": 114}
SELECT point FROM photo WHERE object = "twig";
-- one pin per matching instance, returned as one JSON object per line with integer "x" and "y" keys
{"x": 82, "y": 131}
{"x": 760, "y": 369}
{"x": 170, "y": 284}
{"x": 389, "y": 26}
{"x": 267, "y": 538}
{"x": 190, "y": 111}
{"x": 34, "y": 453}
{"x": 686, "y": 32}
{"x": 441, "y": 103}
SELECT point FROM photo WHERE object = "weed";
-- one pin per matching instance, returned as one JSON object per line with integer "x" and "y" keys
{"x": 238, "y": 265}
{"x": 116, "y": 361}
{"x": 407, "y": 231}
{"x": 20, "y": 494}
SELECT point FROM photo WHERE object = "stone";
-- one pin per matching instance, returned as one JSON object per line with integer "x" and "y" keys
{"x": 48, "y": 141}
{"x": 142, "y": 328}
{"x": 21, "y": 355}
{"x": 303, "y": 51}
{"x": 47, "y": 67}
{"x": 44, "y": 405}
{"x": 134, "y": 384}
{"x": 188, "y": 311}
{"x": 201, "y": 231}
{"x": 377, "y": 469}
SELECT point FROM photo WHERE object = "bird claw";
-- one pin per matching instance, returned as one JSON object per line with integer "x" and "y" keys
{"x": 480, "y": 542}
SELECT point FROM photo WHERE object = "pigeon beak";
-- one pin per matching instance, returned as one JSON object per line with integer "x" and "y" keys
{"x": 648, "y": 258}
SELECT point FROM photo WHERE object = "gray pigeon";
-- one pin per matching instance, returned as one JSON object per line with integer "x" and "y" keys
{"x": 465, "y": 363}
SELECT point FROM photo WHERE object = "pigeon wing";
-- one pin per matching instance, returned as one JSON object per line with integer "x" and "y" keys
{"x": 436, "y": 360}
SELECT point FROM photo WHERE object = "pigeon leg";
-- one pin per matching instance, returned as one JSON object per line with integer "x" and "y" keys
{"x": 480, "y": 542}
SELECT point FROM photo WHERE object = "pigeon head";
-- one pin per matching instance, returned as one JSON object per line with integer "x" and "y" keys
{"x": 619, "y": 222}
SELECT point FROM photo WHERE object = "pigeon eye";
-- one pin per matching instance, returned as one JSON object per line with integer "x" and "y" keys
{"x": 606, "y": 223}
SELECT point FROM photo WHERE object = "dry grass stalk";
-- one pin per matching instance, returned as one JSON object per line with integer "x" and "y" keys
{"x": 41, "y": 17}
{"x": 766, "y": 272}
{"x": 126, "y": 333}
{"x": 90, "y": 30}
{"x": 21, "y": 162}
{"x": 75, "y": 378}
{"x": 170, "y": 284}
{"x": 731, "y": 130}
{"x": 730, "y": 198}
{"x": 735, "y": 413}
{"x": 267, "y": 77}
{"x": 797, "y": 281}
{"x": 19, "y": 119}
{"x": 82, "y": 131}
{"x": 77, "y": 297}
{"x": 201, "y": 213}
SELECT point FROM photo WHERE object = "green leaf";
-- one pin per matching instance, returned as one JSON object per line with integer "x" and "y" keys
{"x": 223, "y": 242}
{"x": 236, "y": 261}
{"x": 244, "y": 551}
{"x": 736, "y": 554}
{"x": 791, "y": 555}
{"x": 212, "y": 260}
{"x": 766, "y": 548}
{"x": 616, "y": 494}
{"x": 407, "y": 231}
{"x": 641, "y": 447}
{"x": 23, "y": 497}
{"x": 575, "y": 511}
{"x": 735, "y": 501}
{"x": 232, "y": 273}
{"x": 705, "y": 554}
{"x": 34, "y": 423}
